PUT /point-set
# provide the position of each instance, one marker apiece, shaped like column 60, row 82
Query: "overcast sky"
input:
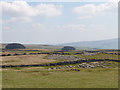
column 58, row 22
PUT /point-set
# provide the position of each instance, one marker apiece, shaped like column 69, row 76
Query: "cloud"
column 19, row 15
column 92, row 9
column 18, row 19
column 23, row 9
column 57, row 28
column 48, row 10
column 6, row 28
column 39, row 27
column 0, row 21
column 74, row 27
column 84, row 17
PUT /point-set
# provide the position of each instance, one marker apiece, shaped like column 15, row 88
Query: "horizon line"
column 56, row 43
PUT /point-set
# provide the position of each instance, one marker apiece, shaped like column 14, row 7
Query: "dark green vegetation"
column 45, row 47
column 15, row 46
column 67, row 48
column 36, row 46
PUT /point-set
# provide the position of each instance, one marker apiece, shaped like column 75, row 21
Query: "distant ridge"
column 100, row 44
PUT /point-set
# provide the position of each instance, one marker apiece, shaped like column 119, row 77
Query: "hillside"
column 101, row 44
column 36, row 46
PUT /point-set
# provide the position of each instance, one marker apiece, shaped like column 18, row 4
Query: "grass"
column 39, row 77
column 100, row 56
column 25, row 60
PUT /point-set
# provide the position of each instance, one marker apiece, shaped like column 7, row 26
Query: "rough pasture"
column 40, row 77
column 60, row 71
column 25, row 60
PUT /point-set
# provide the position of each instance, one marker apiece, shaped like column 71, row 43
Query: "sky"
column 58, row 22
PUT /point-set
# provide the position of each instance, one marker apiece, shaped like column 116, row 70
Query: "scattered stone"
column 83, row 65
column 64, row 57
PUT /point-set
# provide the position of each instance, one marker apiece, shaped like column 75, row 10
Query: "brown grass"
column 25, row 60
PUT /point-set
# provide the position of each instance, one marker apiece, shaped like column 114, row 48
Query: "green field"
column 43, row 77
column 39, row 77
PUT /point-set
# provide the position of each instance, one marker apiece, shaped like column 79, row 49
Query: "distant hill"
column 36, row 46
column 100, row 44
column 41, row 46
column 87, row 45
